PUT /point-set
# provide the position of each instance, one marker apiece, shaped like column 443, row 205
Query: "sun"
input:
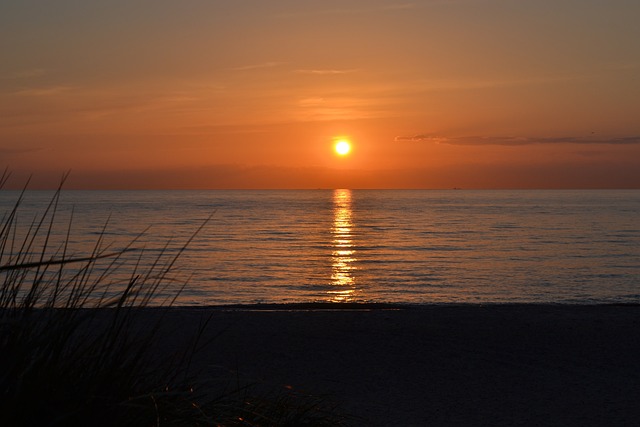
column 342, row 147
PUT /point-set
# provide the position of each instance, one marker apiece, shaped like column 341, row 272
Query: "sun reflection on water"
column 343, row 250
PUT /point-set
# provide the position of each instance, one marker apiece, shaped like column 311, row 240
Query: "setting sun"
column 343, row 147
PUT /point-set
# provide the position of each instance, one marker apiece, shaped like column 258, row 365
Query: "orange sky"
column 252, row 94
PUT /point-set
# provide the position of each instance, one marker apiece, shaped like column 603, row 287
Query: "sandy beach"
column 451, row 365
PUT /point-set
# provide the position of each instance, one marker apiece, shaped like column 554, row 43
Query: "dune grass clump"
column 77, row 348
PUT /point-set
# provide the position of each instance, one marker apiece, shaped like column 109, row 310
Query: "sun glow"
column 342, row 147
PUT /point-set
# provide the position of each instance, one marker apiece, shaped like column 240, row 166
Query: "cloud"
column 325, row 72
column 419, row 138
column 518, row 140
column 19, row 150
column 24, row 74
column 45, row 91
column 311, row 102
column 399, row 6
column 270, row 64
column 336, row 108
column 353, row 11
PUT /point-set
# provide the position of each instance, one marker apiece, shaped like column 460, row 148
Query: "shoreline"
column 438, row 365
column 380, row 306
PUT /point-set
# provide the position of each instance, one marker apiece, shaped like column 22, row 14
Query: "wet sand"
column 494, row 365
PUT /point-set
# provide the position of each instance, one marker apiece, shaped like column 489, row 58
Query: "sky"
column 206, row 94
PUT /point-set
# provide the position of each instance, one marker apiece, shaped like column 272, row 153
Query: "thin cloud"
column 311, row 102
column 399, row 6
column 325, row 72
column 19, row 150
column 257, row 66
column 420, row 138
column 25, row 74
column 44, row 91
column 336, row 108
column 355, row 11
column 518, row 140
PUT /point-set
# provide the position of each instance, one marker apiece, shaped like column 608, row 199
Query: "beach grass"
column 79, row 347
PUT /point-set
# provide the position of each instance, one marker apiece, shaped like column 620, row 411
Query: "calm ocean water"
column 405, row 246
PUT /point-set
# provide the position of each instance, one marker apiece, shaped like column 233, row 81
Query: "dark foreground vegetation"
column 77, row 346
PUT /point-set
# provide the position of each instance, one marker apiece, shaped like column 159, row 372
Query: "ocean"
column 391, row 246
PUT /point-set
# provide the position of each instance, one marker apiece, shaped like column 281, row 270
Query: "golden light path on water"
column 343, row 250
